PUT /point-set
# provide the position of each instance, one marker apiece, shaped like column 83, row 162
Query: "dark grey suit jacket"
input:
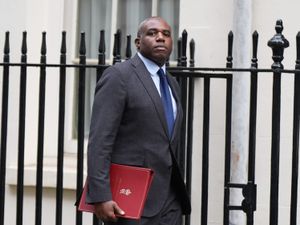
column 128, row 126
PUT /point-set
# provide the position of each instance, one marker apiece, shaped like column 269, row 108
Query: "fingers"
column 108, row 211
column 118, row 210
column 105, row 211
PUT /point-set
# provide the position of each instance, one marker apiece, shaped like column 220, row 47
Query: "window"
column 96, row 15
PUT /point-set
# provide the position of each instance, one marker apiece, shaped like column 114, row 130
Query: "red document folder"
column 129, row 187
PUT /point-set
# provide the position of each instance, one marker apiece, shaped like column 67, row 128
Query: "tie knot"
column 160, row 72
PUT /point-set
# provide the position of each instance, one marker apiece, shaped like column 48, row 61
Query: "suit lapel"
column 145, row 78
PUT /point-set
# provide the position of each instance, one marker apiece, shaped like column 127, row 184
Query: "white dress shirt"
column 153, row 68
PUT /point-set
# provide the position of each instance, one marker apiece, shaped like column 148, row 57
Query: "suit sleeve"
column 108, row 107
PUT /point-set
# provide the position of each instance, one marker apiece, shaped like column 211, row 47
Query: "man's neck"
column 157, row 63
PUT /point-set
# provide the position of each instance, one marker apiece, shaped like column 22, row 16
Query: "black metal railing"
column 186, row 76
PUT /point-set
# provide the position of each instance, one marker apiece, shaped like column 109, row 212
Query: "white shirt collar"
column 151, row 66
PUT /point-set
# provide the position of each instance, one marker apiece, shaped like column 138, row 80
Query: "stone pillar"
column 242, row 19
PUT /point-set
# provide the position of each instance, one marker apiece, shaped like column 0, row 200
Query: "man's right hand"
column 108, row 211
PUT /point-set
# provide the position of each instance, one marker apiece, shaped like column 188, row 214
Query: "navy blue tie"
column 166, row 100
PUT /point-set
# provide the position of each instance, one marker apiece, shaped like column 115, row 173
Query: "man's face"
column 155, row 41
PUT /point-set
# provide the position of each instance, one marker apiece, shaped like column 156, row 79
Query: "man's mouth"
column 160, row 48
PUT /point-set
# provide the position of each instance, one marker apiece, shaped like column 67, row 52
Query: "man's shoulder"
column 118, row 68
column 129, row 63
column 126, row 67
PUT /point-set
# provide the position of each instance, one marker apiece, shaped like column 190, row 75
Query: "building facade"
column 208, row 23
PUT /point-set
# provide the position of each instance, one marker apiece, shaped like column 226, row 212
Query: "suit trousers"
column 171, row 214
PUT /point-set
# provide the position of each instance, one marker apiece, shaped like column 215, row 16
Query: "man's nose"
column 160, row 36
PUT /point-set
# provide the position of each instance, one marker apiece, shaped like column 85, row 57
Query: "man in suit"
column 129, row 126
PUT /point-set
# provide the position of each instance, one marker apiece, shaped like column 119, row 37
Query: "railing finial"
column 192, row 53
column 229, row 50
column 117, row 47
column 63, row 46
column 183, row 49
column 82, row 48
column 179, row 51
column 298, row 50
column 254, row 49
column 101, row 49
column 24, row 43
column 44, row 45
column 6, row 43
column 128, row 47
column 278, row 43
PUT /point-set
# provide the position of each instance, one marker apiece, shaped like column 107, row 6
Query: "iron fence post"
column 278, row 43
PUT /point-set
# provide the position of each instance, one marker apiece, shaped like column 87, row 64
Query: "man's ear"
column 137, row 43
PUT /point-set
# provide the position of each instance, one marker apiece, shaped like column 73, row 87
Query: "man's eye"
column 152, row 33
column 166, row 33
